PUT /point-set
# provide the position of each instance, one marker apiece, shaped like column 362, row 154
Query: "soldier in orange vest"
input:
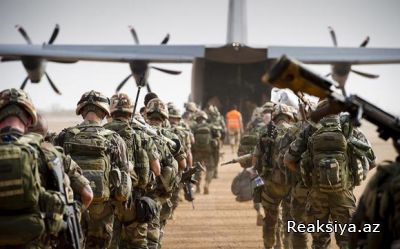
column 234, row 126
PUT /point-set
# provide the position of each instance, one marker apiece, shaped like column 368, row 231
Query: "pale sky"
column 284, row 22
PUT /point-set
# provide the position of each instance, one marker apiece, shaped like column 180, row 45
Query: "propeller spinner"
column 140, row 68
column 341, row 70
column 34, row 66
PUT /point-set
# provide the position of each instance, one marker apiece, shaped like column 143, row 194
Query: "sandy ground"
column 218, row 221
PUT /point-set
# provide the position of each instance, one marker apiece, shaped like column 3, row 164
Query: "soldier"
column 79, row 183
column 143, row 156
column 377, row 218
column 206, row 140
column 270, row 163
column 330, row 169
column 186, row 137
column 172, row 157
column 217, row 121
column 25, row 193
column 102, row 155
column 189, row 115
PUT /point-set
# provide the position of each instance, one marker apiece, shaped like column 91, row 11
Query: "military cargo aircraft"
column 221, row 75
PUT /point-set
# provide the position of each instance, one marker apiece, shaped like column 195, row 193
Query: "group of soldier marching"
column 124, row 177
column 116, row 185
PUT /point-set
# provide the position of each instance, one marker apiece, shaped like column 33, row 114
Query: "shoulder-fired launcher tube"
column 289, row 73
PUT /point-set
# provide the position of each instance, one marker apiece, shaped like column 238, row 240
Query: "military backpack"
column 325, row 163
column 202, row 139
column 90, row 149
column 20, row 190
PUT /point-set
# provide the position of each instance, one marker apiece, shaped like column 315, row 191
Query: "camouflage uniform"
column 169, row 178
column 36, row 231
column 189, row 115
column 98, row 221
column 205, row 156
column 217, row 121
column 186, row 138
column 141, row 150
column 379, row 204
column 337, row 205
column 276, row 184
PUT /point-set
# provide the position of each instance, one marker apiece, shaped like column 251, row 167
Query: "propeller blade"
column 365, row 42
column 333, row 36
column 54, row 34
column 22, row 31
column 168, row 71
column 7, row 59
column 366, row 75
column 134, row 35
column 122, row 83
column 148, row 87
column 63, row 61
column 52, row 84
column 24, row 83
column 165, row 40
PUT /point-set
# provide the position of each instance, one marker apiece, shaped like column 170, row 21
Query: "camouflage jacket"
column 118, row 156
column 379, row 204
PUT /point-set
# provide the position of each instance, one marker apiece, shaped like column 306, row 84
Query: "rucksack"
column 20, row 218
column 136, row 153
column 202, row 139
column 328, row 156
column 241, row 186
column 90, row 149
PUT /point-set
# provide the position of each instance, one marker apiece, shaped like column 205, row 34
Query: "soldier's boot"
column 299, row 240
column 260, row 219
column 198, row 188
column 117, row 229
column 206, row 190
column 269, row 231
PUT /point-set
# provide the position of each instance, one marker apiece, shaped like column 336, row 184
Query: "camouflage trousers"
column 98, row 225
column 134, row 236
column 207, row 160
column 337, row 207
column 154, row 226
column 298, row 203
column 127, row 232
column 166, row 212
column 175, row 198
column 273, row 195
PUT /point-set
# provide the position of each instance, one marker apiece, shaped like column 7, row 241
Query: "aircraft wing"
column 106, row 53
column 330, row 55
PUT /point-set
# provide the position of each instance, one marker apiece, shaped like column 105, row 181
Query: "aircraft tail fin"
column 237, row 22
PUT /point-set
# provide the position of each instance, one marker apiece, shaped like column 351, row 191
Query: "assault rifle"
column 289, row 73
column 73, row 232
column 188, row 181
column 240, row 159
column 152, row 132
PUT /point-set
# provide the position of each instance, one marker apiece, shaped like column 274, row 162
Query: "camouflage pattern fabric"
column 379, row 204
column 98, row 221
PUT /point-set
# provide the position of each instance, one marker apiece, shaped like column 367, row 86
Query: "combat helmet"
column 10, row 98
column 191, row 106
column 156, row 109
column 173, row 110
column 283, row 110
column 201, row 115
column 93, row 98
column 121, row 102
column 268, row 107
